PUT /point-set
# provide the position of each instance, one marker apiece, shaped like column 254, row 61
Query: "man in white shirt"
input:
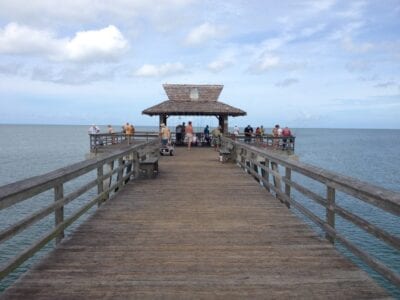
column 93, row 129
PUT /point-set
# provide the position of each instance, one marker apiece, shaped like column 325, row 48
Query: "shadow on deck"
column 202, row 229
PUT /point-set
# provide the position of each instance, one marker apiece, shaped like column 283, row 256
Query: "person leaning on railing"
column 129, row 132
column 286, row 134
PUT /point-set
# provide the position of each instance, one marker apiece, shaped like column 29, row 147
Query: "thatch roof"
column 191, row 99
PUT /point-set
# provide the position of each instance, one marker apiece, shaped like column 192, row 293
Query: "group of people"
column 249, row 133
column 182, row 132
column 127, row 129
column 185, row 133
column 285, row 134
column 279, row 134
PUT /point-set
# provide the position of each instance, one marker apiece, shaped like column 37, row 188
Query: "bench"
column 225, row 153
column 148, row 168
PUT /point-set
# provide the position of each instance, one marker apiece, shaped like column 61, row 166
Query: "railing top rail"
column 120, row 133
column 381, row 197
column 15, row 191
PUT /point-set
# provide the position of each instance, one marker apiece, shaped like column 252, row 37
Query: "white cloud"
column 225, row 60
column 354, row 11
column 265, row 62
column 310, row 31
column 219, row 65
column 87, row 46
column 275, row 43
column 96, row 45
column 160, row 70
column 320, row 5
column 350, row 46
column 203, row 33
column 19, row 39
column 78, row 12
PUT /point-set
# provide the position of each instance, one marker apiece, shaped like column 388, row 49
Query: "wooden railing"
column 269, row 141
column 99, row 140
column 105, row 179
column 265, row 167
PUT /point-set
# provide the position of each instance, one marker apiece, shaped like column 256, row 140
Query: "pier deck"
column 202, row 229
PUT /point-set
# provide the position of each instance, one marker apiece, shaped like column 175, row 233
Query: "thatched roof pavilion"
column 194, row 100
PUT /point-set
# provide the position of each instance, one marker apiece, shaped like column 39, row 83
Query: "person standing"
column 93, row 129
column 94, row 140
column 262, row 131
column 178, row 134
column 165, row 135
column 128, row 132
column 207, row 135
column 189, row 133
column 183, row 132
column 132, row 131
column 111, row 131
column 248, row 132
column 216, row 135
column 236, row 132
column 276, row 134
column 286, row 134
column 258, row 134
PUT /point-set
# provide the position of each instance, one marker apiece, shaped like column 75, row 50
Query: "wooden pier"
column 202, row 229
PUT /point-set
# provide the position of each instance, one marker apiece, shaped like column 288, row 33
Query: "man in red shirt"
column 286, row 133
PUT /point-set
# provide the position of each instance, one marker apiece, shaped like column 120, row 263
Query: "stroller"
column 167, row 149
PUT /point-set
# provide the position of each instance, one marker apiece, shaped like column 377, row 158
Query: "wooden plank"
column 202, row 229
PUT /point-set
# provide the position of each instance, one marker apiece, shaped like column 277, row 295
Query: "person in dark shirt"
column 248, row 133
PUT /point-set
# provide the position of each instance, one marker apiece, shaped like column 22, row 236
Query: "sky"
column 298, row 63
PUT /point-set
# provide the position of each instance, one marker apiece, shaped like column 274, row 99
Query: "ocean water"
column 369, row 155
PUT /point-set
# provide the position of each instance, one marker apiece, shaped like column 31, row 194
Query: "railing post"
column 266, row 173
column 120, row 172
column 330, row 212
column 59, row 212
column 135, row 162
column 288, row 176
column 100, row 186
column 277, row 180
column 108, row 182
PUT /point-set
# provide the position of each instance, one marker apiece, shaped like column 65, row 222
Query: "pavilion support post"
column 163, row 119
column 223, row 122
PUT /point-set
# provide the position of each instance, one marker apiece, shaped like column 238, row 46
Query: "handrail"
column 255, row 161
column 127, row 165
column 98, row 140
